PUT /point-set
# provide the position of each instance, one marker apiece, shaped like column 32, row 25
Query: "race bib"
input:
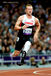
column 27, row 31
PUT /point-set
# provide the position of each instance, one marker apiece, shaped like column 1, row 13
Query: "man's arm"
column 37, row 30
column 17, row 27
column 38, row 25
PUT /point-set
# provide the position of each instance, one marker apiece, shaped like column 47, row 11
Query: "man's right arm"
column 17, row 27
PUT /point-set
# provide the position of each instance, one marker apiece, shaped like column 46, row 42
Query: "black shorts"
column 20, row 42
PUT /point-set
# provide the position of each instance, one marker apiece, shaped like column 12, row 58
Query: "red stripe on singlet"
column 29, row 23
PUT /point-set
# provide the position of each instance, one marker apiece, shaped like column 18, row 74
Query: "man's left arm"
column 37, row 23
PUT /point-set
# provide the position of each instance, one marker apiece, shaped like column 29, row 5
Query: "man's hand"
column 35, row 37
column 25, row 26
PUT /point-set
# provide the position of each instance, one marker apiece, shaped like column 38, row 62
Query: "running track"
column 27, row 72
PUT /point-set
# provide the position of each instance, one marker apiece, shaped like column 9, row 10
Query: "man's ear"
column 25, row 10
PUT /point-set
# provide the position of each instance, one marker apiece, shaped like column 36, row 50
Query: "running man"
column 25, row 25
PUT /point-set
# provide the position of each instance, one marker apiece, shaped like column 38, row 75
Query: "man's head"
column 29, row 9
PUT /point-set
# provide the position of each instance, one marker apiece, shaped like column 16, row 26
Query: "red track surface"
column 27, row 72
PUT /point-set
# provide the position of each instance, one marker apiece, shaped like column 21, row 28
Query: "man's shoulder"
column 21, row 17
column 36, row 19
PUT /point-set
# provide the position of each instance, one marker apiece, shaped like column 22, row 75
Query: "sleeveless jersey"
column 29, row 30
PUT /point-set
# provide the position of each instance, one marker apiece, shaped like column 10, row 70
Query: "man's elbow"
column 15, row 28
column 39, row 27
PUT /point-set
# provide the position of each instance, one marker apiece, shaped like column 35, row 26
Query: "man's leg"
column 18, row 47
column 25, row 50
column 19, row 44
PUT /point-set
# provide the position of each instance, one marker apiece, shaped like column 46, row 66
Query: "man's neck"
column 29, row 16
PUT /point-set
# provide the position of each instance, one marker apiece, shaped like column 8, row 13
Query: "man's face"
column 29, row 10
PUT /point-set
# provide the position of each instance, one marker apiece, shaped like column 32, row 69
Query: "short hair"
column 29, row 5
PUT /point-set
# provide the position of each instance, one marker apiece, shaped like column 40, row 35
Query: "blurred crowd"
column 8, row 17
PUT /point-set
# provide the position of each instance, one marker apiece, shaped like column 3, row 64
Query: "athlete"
column 25, row 24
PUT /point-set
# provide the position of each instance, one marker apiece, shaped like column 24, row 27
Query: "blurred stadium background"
column 9, row 12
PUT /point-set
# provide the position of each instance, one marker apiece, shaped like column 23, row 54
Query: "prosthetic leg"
column 23, row 57
column 25, row 50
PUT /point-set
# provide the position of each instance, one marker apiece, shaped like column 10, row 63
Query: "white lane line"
column 37, row 72
column 3, row 71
